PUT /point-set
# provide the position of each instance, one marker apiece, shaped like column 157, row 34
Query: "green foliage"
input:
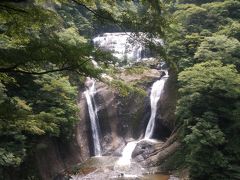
column 205, row 31
column 46, row 50
column 231, row 30
column 18, row 25
column 8, row 158
column 197, row 1
column 126, row 89
column 204, row 44
column 209, row 99
column 57, row 92
column 203, row 142
column 43, row 106
column 219, row 47
column 136, row 70
column 74, row 15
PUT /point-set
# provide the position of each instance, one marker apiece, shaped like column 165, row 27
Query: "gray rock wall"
column 121, row 118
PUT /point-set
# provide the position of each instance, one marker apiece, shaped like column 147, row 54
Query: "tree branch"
column 13, row 69
column 94, row 12
column 117, row 23
column 7, row 70
column 6, row 7
column 84, row 62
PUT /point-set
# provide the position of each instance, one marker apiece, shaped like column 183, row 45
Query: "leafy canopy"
column 45, row 53
column 208, row 108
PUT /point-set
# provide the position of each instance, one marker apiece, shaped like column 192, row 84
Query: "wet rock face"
column 53, row 156
column 83, row 129
column 120, row 119
column 126, row 117
column 142, row 150
column 167, row 105
column 130, row 111
column 151, row 154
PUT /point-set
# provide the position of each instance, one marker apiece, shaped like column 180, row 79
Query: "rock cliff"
column 121, row 118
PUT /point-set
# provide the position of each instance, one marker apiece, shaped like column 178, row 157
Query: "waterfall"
column 126, row 45
column 92, row 109
column 156, row 92
column 119, row 45
column 126, row 157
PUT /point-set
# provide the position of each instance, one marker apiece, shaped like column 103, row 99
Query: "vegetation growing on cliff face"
column 136, row 70
column 205, row 48
column 125, row 89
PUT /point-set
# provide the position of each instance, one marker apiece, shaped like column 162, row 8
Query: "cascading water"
column 123, row 167
column 92, row 109
column 156, row 92
column 119, row 45
column 126, row 157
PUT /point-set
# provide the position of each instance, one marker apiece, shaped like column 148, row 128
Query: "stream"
column 103, row 168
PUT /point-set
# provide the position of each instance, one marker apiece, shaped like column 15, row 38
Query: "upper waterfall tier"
column 123, row 45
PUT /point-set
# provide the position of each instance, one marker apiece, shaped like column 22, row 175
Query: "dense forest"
column 46, row 52
column 205, row 47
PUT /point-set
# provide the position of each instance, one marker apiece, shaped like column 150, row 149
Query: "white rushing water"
column 126, row 157
column 92, row 109
column 156, row 92
column 120, row 46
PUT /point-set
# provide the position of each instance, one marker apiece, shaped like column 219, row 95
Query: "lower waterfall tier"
column 121, row 119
